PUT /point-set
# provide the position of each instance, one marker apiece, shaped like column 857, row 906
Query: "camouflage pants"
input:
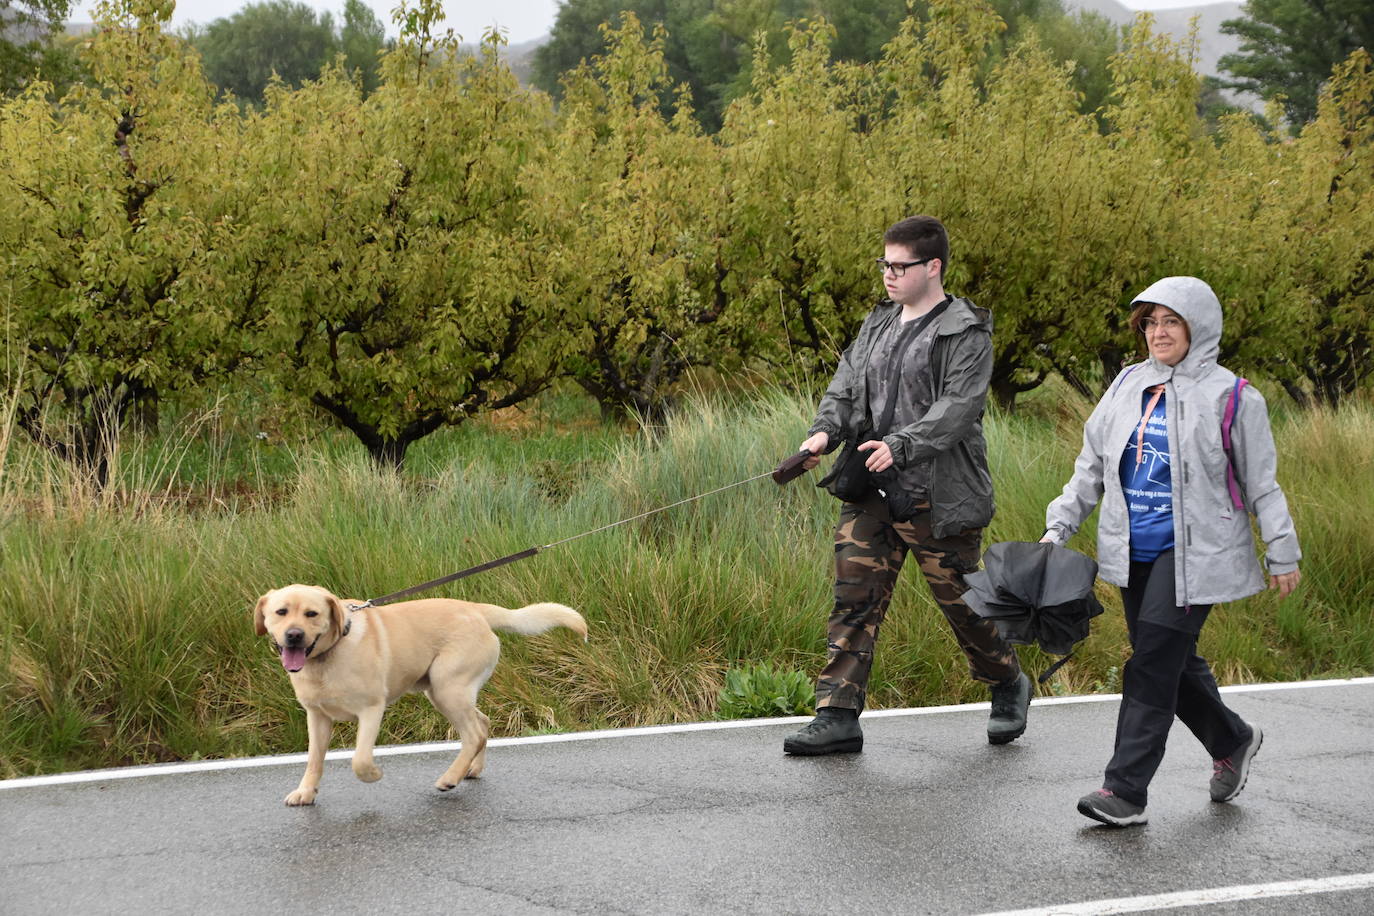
column 869, row 553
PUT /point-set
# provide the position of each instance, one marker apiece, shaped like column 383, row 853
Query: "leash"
column 790, row 469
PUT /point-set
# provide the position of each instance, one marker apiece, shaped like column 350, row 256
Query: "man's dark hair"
column 924, row 237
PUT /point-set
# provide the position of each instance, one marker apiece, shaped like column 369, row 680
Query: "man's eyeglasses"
column 1168, row 323
column 898, row 268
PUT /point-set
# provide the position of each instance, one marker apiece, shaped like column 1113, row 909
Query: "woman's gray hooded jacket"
column 950, row 435
column 1214, row 549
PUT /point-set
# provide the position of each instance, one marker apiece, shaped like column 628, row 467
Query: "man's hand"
column 816, row 445
column 1285, row 583
column 881, row 457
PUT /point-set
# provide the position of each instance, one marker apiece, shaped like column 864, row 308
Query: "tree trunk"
column 388, row 454
column 1004, row 393
column 1078, row 383
column 1111, row 359
column 88, row 441
column 1297, row 393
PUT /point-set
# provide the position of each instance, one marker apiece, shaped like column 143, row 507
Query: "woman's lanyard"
column 1158, row 391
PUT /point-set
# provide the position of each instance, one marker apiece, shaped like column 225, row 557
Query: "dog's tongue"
column 292, row 659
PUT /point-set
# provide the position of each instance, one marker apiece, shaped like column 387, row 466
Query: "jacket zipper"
column 1181, row 555
column 863, row 375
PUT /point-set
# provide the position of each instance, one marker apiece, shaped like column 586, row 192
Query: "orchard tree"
column 1013, row 169
column 1232, row 227
column 1037, row 240
column 1333, row 236
column 1149, row 178
column 1054, row 224
column 405, row 290
column 108, row 199
column 629, row 202
column 807, row 203
column 1281, row 229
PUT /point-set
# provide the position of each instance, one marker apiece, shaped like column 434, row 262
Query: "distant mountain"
column 1212, row 44
column 520, row 57
column 20, row 33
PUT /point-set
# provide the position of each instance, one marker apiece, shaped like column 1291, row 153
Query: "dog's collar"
column 348, row 625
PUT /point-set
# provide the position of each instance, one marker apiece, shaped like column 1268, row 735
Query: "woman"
column 1174, row 534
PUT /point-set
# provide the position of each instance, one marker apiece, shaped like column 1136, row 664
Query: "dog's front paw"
column 443, row 783
column 302, row 797
column 367, row 772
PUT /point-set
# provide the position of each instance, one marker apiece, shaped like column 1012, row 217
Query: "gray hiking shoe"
column 1228, row 773
column 833, row 731
column 1010, row 703
column 1110, row 809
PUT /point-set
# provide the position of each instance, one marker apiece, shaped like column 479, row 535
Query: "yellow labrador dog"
column 350, row 665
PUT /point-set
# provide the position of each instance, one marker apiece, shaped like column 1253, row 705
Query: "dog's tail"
column 533, row 619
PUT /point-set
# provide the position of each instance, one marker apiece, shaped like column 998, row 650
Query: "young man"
column 921, row 361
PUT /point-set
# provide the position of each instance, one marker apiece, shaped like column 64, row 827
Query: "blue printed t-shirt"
column 1148, row 488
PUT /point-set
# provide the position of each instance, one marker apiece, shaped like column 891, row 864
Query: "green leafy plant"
column 758, row 691
column 1111, row 683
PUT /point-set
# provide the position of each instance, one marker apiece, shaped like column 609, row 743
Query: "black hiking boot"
column 1010, row 703
column 833, row 731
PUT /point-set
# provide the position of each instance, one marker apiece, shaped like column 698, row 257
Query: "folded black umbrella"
column 1036, row 594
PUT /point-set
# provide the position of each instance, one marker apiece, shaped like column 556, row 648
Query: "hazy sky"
column 521, row 19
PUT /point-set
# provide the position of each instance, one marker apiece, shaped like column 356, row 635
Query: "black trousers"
column 1164, row 678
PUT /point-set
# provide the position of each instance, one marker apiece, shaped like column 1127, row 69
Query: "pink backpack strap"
column 1232, row 403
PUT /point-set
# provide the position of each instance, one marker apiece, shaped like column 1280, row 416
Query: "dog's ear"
column 260, row 616
column 337, row 615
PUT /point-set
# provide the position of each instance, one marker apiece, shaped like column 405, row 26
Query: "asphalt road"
column 929, row 819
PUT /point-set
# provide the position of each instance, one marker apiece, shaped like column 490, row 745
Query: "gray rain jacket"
column 1214, row 549
column 950, row 436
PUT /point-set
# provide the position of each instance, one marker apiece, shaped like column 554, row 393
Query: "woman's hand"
column 1285, row 583
column 816, row 445
column 881, row 457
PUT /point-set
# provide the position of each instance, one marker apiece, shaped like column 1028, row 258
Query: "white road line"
column 1207, row 897
column 203, row 766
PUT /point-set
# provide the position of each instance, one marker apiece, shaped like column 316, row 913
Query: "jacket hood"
column 1195, row 302
column 961, row 314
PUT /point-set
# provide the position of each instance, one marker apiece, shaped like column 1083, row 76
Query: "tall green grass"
column 126, row 631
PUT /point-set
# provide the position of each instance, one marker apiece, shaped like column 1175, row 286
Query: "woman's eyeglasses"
column 1168, row 323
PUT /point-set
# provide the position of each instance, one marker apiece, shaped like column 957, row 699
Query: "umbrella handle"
column 1053, row 668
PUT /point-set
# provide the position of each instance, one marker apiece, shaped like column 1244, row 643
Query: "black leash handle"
column 791, row 468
